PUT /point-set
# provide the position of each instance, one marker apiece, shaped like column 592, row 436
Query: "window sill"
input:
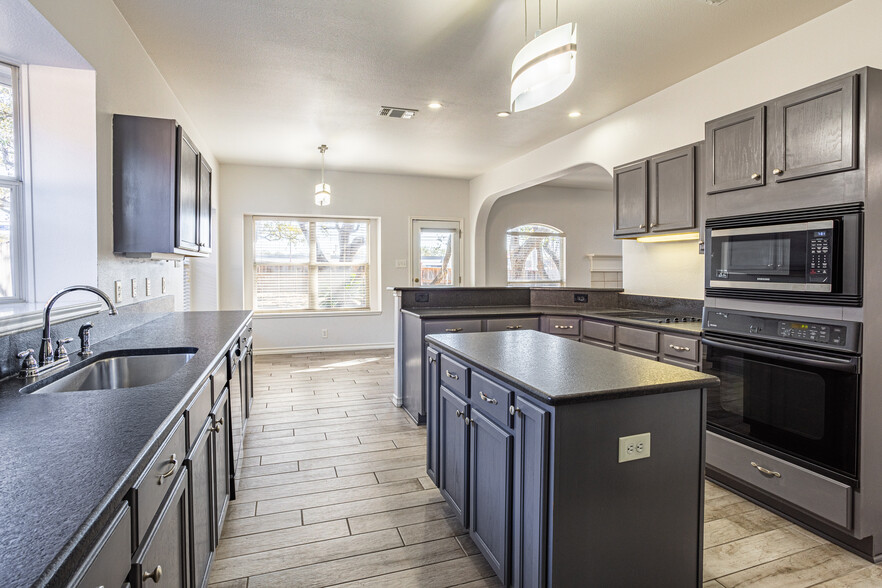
column 314, row 313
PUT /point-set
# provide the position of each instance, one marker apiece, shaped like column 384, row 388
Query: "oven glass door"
column 802, row 405
column 753, row 257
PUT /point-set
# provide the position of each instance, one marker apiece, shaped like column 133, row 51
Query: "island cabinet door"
column 220, row 418
column 200, row 466
column 530, row 495
column 454, row 452
column 490, row 492
column 432, row 384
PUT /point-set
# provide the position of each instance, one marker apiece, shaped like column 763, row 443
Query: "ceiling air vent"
column 395, row 112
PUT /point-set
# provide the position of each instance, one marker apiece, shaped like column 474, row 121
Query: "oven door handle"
column 851, row 365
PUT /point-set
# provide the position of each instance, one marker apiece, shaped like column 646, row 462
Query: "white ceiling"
column 267, row 81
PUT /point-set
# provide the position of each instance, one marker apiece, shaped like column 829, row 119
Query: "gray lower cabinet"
column 200, row 466
column 453, row 443
column 530, row 494
column 567, row 326
column 221, row 445
column 490, row 456
column 163, row 557
column 525, row 323
column 109, row 562
column 432, row 414
column 154, row 484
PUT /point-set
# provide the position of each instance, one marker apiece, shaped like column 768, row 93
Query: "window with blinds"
column 535, row 255
column 311, row 264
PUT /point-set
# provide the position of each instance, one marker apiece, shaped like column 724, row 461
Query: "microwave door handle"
column 830, row 363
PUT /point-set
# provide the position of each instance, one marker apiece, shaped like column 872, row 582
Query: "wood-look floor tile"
column 238, row 510
column 467, row 545
column 307, row 487
column 729, row 558
column 868, row 577
column 400, row 517
column 490, row 582
column 261, row 524
column 372, row 505
column 361, row 566
column 404, row 426
column 712, row 584
column 799, row 570
column 280, row 538
column 726, row 506
column 341, row 499
column 427, row 482
column 453, row 572
column 412, row 472
column 269, row 469
column 273, row 446
column 285, row 478
column 355, row 458
column 739, row 526
column 266, row 562
column 431, row 530
column 312, row 454
column 239, row 583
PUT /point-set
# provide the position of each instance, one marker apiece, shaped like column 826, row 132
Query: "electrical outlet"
column 401, row 263
column 634, row 447
column 117, row 291
column 163, row 285
column 580, row 298
column 324, row 333
column 147, row 287
column 134, row 288
column 421, row 297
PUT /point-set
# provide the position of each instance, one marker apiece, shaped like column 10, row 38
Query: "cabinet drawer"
column 154, row 483
column 491, row 399
column 823, row 497
column 680, row 347
column 561, row 325
column 454, row 375
column 637, row 338
column 460, row 326
column 598, row 331
column 109, row 563
column 219, row 377
column 197, row 411
column 596, row 343
column 164, row 556
column 642, row 354
column 683, row 364
column 530, row 323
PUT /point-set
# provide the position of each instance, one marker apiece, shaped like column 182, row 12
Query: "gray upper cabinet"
column 814, row 131
column 631, row 189
column 736, row 151
column 160, row 183
column 672, row 190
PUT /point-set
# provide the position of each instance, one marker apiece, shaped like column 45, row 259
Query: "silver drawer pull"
column 679, row 348
column 486, row 398
column 217, row 425
column 512, row 410
column 459, row 414
column 456, row 330
column 512, row 327
column 563, row 326
column 765, row 471
column 452, row 376
column 155, row 575
column 171, row 470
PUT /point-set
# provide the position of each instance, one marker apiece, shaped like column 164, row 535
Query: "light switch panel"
column 163, row 285
column 634, row 447
column 147, row 287
column 134, row 288
column 117, row 291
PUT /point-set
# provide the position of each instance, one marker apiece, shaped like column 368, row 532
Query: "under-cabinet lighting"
column 669, row 238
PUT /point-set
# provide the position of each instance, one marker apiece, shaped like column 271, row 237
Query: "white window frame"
column 552, row 232
column 373, row 262
column 17, row 213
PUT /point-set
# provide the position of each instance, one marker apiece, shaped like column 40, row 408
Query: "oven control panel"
column 831, row 334
column 820, row 256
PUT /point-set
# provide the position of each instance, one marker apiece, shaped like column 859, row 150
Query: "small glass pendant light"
column 323, row 190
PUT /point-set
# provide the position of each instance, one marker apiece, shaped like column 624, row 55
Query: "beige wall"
column 127, row 82
column 584, row 215
column 249, row 190
column 842, row 40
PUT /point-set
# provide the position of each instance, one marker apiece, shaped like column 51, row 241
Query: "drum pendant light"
column 322, row 191
column 545, row 67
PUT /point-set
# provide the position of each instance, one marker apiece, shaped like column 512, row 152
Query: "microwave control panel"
column 820, row 256
column 831, row 334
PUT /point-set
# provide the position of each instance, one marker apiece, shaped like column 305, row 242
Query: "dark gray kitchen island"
column 570, row 465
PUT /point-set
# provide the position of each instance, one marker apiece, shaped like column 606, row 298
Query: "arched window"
column 535, row 255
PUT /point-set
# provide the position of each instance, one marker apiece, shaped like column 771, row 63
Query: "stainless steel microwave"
column 811, row 256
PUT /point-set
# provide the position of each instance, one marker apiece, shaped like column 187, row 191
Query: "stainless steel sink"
column 119, row 369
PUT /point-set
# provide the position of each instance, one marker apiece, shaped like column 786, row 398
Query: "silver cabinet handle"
column 755, row 176
column 513, row 327
column 171, row 470
column 217, row 425
column 642, row 226
column 456, row 330
column 487, row 399
column 452, row 376
column 155, row 575
column 431, row 360
column 777, row 171
column 765, row 471
column 563, row 326
column 467, row 421
column 512, row 410
column 459, row 414
column 679, row 348
column 653, row 225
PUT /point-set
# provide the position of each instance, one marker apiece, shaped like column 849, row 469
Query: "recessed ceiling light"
column 575, row 114
column 434, row 105
column 503, row 114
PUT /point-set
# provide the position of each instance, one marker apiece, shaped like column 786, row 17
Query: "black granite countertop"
column 69, row 457
column 559, row 371
column 599, row 314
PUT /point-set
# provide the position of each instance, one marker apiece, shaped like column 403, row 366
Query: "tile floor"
column 334, row 493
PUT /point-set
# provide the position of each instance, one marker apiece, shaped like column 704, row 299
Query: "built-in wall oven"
column 807, row 256
column 790, row 386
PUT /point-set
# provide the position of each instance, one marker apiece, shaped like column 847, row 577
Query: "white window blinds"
column 310, row 264
column 535, row 255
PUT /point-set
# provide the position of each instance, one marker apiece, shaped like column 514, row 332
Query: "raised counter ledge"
column 559, row 371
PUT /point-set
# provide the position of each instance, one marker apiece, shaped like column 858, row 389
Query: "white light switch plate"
column 134, row 288
column 147, row 287
column 401, row 263
column 163, row 285
column 634, row 447
column 117, row 291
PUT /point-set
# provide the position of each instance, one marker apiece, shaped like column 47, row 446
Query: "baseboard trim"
column 320, row 349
